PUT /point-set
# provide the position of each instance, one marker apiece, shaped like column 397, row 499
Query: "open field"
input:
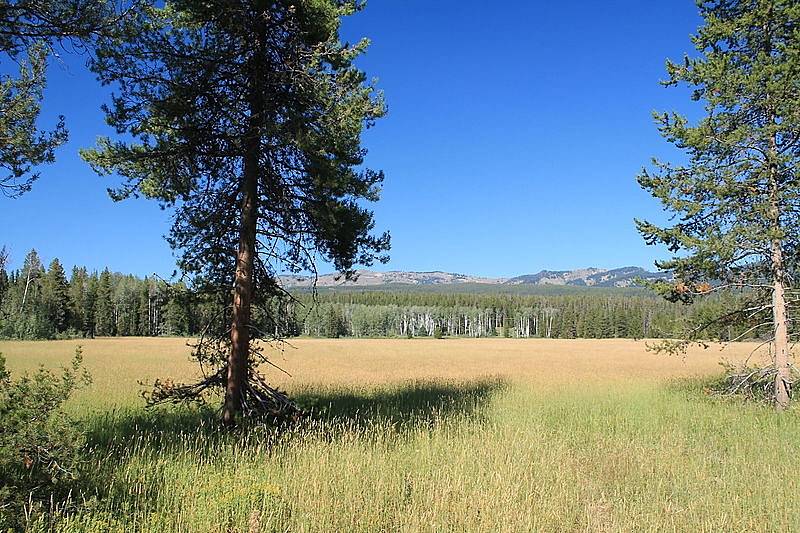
column 426, row 435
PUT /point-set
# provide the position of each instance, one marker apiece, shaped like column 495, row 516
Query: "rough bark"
column 780, row 322
column 782, row 356
column 779, row 318
column 243, row 286
column 242, row 298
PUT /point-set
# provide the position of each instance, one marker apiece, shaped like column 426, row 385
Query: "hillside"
column 585, row 277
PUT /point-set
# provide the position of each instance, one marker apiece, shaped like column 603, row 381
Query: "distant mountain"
column 584, row 277
column 557, row 277
column 368, row 278
column 589, row 277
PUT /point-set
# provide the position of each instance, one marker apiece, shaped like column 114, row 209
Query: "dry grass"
column 117, row 364
column 453, row 435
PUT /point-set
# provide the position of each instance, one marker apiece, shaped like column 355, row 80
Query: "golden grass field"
column 117, row 364
column 437, row 435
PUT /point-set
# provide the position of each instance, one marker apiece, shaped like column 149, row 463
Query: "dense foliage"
column 582, row 314
column 38, row 303
column 40, row 446
column 41, row 303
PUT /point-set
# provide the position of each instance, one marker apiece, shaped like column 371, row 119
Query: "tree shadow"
column 157, row 427
column 149, row 438
column 402, row 406
column 413, row 404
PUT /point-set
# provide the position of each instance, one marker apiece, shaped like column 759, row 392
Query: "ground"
column 434, row 435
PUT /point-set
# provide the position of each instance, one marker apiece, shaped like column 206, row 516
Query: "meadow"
column 436, row 435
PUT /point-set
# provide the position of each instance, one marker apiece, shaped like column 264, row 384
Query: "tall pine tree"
column 55, row 298
column 247, row 117
column 104, row 323
column 77, row 297
column 4, row 281
column 737, row 197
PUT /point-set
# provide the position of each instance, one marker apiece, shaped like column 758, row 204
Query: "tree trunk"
column 242, row 298
column 238, row 361
column 779, row 318
column 782, row 376
column 780, row 325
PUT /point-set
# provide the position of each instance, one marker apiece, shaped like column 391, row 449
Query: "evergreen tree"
column 4, row 281
column 55, row 297
column 90, row 308
column 144, row 306
column 32, row 271
column 29, row 32
column 77, row 297
column 177, row 312
column 334, row 323
column 104, row 322
column 23, row 304
column 250, row 113
column 25, row 147
column 737, row 198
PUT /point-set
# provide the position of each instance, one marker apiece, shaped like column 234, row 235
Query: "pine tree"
column 177, row 312
column 105, row 324
column 144, row 306
column 30, row 31
column 737, row 198
column 32, row 271
column 77, row 297
column 55, row 297
column 250, row 113
column 90, row 306
column 4, row 281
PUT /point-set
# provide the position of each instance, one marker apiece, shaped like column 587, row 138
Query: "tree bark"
column 782, row 375
column 242, row 297
column 780, row 322
column 779, row 319
column 243, row 285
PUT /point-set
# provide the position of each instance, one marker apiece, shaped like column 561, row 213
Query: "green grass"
column 480, row 454
column 471, row 456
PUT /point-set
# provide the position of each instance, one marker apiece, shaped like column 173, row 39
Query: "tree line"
column 38, row 302
column 586, row 314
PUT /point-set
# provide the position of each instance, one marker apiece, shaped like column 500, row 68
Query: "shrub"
column 40, row 446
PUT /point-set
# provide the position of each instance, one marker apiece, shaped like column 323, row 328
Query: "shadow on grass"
column 124, row 425
column 410, row 404
column 333, row 410
column 136, row 452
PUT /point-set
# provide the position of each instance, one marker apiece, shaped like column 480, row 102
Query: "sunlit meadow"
column 427, row 435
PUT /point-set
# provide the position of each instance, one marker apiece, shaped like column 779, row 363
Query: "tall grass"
column 512, row 452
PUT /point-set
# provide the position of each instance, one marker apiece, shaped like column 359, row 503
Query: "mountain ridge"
column 582, row 277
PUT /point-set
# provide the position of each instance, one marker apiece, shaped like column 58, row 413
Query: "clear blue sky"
column 514, row 135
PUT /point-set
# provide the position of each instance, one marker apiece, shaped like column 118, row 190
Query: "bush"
column 40, row 446
column 438, row 333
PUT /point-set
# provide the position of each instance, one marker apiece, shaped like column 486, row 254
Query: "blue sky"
column 514, row 135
